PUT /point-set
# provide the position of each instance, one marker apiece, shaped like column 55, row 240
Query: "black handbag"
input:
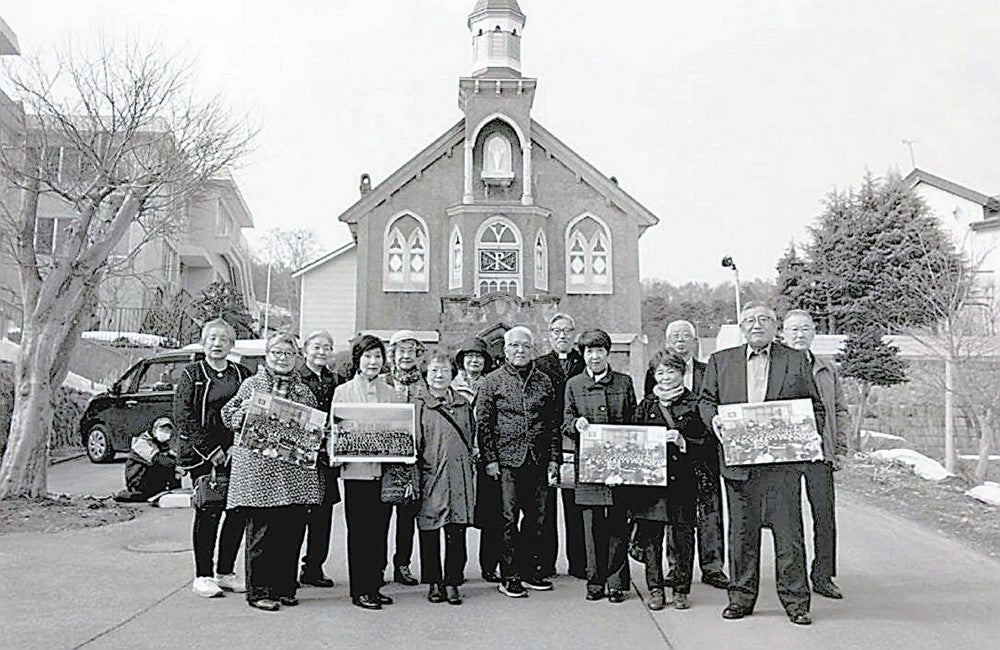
column 400, row 483
column 210, row 491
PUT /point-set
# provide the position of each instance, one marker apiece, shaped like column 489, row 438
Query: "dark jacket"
column 517, row 419
column 200, row 430
column 697, row 375
column 677, row 500
column 321, row 385
column 789, row 377
column 551, row 366
column 608, row 401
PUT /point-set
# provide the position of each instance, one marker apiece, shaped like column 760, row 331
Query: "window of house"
column 541, row 262
column 222, row 221
column 50, row 233
column 455, row 259
column 171, row 264
column 588, row 256
column 406, row 254
column 498, row 258
column 498, row 167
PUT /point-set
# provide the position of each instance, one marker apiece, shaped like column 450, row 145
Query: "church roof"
column 483, row 5
column 454, row 137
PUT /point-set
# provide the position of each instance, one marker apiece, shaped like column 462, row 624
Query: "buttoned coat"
column 517, row 418
column 445, row 442
column 551, row 366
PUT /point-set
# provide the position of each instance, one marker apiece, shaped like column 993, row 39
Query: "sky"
column 728, row 120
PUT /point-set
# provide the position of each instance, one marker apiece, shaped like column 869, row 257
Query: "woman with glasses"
column 274, row 494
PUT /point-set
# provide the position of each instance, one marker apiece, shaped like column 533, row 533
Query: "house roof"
column 920, row 176
column 539, row 135
column 323, row 260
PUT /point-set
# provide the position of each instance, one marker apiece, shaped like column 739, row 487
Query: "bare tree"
column 112, row 139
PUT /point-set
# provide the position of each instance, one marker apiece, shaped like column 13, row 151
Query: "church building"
column 496, row 223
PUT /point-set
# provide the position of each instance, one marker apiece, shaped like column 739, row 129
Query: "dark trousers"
column 573, row 524
column 606, row 538
column 709, row 535
column 406, row 522
column 819, row 491
column 274, row 537
column 319, row 524
column 367, row 533
column 650, row 534
column 204, row 534
column 454, row 555
column 522, row 490
column 489, row 521
column 775, row 489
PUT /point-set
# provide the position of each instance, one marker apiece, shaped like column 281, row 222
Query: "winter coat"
column 445, row 460
column 322, row 387
column 464, row 387
column 517, row 419
column 551, row 365
column 608, row 401
column 357, row 390
column 257, row 481
column 200, row 395
column 838, row 418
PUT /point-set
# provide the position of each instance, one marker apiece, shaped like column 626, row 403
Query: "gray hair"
column 281, row 337
column 508, row 336
column 757, row 304
column 674, row 324
column 799, row 312
column 317, row 334
column 217, row 323
column 561, row 316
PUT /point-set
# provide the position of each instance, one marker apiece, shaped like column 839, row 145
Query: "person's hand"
column 581, row 424
column 614, row 480
column 717, row 426
column 553, row 472
column 218, row 457
column 838, row 462
column 493, row 470
column 673, row 435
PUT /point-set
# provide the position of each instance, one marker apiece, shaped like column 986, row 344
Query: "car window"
column 160, row 376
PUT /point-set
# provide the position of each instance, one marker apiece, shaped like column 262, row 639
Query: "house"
column 496, row 222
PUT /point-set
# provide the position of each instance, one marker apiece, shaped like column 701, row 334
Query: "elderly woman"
column 274, row 494
column 675, row 407
column 445, row 452
column 317, row 348
column 366, row 515
column 203, row 444
column 472, row 362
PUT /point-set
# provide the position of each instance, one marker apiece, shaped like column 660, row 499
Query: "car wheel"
column 99, row 449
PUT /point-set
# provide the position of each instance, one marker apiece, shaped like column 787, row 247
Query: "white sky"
column 729, row 120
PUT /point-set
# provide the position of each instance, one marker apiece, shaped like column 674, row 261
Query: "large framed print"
column 373, row 433
column 280, row 428
column 782, row 431
column 626, row 454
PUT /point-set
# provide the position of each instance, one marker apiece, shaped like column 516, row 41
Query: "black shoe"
column 716, row 579
column 491, row 576
column 451, row 593
column 315, row 580
column 538, row 584
column 367, row 601
column 800, row 618
column 512, row 589
column 733, row 612
column 265, row 604
column 657, row 600
column 681, row 601
column 289, row 601
column 382, row 598
column 403, row 576
column 595, row 594
column 436, row 594
column 616, row 596
column 827, row 588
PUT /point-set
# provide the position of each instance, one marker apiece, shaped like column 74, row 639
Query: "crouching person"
column 151, row 467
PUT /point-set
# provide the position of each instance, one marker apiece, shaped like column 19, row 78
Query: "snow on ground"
column 8, row 352
column 988, row 492
column 924, row 467
column 135, row 338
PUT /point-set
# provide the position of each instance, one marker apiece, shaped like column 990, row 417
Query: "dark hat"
column 476, row 345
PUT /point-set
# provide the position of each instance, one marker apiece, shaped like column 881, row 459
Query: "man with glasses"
column 517, row 419
column 762, row 370
column 561, row 364
column 799, row 332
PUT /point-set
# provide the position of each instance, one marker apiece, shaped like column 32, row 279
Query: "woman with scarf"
column 445, row 458
column 366, row 515
column 472, row 362
column 275, row 495
column 673, row 406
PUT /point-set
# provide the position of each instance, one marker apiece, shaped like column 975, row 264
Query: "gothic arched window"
column 541, row 262
column 498, row 161
column 588, row 256
column 406, row 254
column 498, row 257
column 455, row 259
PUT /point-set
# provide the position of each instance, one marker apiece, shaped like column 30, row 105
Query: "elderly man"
column 561, row 364
column 799, row 332
column 517, row 419
column 762, row 370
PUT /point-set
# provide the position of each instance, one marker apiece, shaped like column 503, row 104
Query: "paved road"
column 127, row 585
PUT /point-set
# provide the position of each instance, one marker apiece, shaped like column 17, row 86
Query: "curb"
column 56, row 461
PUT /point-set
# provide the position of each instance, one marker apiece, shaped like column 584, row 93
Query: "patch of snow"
column 976, row 457
column 135, row 338
column 924, row 467
column 883, row 436
column 988, row 492
column 9, row 350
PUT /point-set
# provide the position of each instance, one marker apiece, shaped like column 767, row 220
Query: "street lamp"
column 728, row 263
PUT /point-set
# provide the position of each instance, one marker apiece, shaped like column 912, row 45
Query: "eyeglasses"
column 682, row 336
column 562, row 330
column 282, row 354
column 763, row 319
column 800, row 330
column 521, row 346
column 409, row 348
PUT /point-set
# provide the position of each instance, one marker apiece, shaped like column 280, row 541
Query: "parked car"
column 144, row 393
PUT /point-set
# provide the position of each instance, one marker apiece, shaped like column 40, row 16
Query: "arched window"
column 498, row 165
column 498, row 257
column 406, row 254
column 541, row 262
column 588, row 256
column 455, row 259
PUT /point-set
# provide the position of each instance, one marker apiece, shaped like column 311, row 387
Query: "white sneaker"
column 206, row 587
column 231, row 582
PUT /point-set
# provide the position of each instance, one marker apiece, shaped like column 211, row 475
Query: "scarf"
column 667, row 397
column 406, row 377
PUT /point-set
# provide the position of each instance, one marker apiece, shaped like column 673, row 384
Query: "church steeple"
column 496, row 27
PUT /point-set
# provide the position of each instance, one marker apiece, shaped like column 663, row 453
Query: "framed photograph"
column 279, row 428
column 373, row 433
column 635, row 454
column 770, row 432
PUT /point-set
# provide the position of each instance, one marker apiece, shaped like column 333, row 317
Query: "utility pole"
column 909, row 144
column 728, row 263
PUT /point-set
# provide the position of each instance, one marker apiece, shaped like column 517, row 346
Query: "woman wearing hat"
column 472, row 362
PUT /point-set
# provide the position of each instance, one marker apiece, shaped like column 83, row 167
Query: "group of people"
column 490, row 443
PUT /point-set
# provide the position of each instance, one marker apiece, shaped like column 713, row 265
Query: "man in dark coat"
column 517, row 421
column 561, row 364
column 762, row 370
